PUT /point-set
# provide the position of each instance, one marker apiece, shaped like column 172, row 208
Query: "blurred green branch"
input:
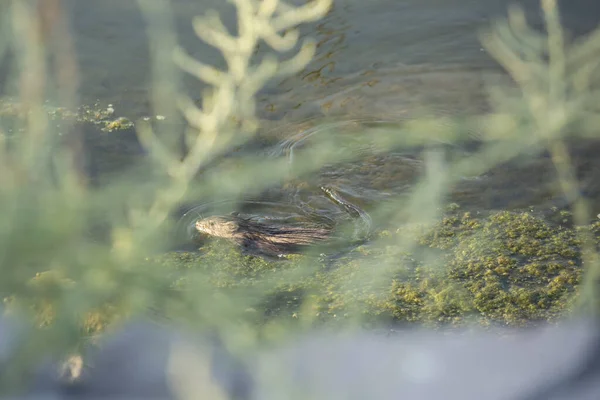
column 557, row 87
column 58, row 272
column 232, row 92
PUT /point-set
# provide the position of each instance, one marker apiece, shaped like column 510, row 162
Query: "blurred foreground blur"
column 450, row 239
column 145, row 360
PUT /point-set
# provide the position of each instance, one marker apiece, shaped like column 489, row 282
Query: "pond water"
column 386, row 60
column 358, row 41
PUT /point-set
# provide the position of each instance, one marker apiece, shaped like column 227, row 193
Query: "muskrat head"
column 217, row 226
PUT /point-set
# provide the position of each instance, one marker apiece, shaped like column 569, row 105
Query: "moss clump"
column 516, row 266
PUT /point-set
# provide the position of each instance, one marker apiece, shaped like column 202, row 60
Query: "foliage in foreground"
column 502, row 268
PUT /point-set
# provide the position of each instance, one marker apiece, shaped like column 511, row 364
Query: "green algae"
column 507, row 268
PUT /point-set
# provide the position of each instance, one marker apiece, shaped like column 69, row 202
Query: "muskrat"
column 270, row 239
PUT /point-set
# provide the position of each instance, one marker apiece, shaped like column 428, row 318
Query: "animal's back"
column 273, row 239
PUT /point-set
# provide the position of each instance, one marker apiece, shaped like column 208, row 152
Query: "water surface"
column 358, row 39
column 387, row 60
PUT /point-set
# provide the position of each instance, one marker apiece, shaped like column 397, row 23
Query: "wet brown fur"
column 266, row 238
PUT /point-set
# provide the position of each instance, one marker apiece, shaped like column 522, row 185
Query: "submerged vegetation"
column 78, row 258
